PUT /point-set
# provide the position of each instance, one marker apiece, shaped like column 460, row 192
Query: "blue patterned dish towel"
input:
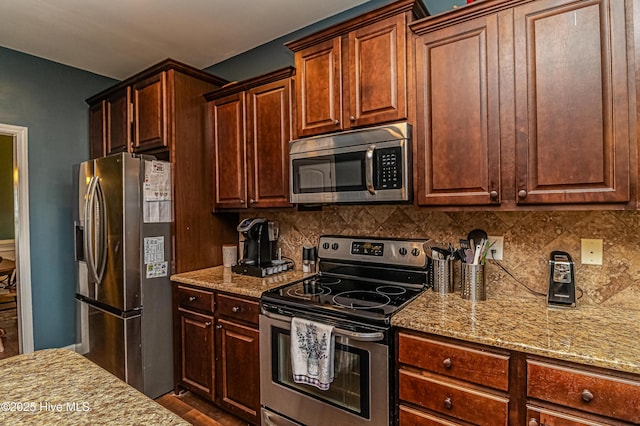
column 312, row 348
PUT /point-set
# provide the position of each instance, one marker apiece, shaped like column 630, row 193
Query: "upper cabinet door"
column 457, row 132
column 229, row 151
column 118, row 116
column 318, row 88
column 150, row 113
column 572, row 102
column 268, row 136
column 377, row 73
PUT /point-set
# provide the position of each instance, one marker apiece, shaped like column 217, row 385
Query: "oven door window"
column 330, row 173
column 350, row 387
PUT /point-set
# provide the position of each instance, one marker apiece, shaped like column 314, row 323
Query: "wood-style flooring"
column 197, row 411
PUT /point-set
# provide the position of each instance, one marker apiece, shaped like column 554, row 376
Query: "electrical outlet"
column 496, row 249
column 591, row 252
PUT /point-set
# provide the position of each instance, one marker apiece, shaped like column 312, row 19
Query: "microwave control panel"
column 389, row 168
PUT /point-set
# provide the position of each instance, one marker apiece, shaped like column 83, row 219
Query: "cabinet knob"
column 447, row 403
column 192, row 298
column 241, row 201
column 522, row 193
column 352, row 118
column 236, row 309
column 447, row 363
column 336, row 122
column 208, row 323
column 218, row 326
column 493, row 195
column 252, row 201
column 587, row 396
column 533, row 422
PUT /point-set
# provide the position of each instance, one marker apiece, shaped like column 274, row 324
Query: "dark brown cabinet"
column 216, row 349
column 354, row 74
column 508, row 116
column 250, row 127
column 440, row 382
column 160, row 111
column 457, row 132
column 237, row 357
column 194, row 340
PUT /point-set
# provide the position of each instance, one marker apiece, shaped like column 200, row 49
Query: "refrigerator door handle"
column 90, row 229
column 101, row 218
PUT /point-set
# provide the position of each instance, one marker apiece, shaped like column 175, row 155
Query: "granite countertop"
column 592, row 335
column 222, row 279
column 59, row 386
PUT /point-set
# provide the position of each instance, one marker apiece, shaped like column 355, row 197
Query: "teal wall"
column 6, row 188
column 48, row 99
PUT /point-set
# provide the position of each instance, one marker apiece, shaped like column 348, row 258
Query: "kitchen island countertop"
column 222, row 279
column 59, row 386
column 592, row 335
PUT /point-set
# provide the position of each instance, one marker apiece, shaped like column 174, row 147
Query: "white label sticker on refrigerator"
column 157, row 181
column 153, row 250
column 157, row 269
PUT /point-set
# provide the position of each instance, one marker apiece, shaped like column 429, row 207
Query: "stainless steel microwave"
column 357, row 166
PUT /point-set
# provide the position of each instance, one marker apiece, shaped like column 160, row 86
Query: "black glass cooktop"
column 344, row 297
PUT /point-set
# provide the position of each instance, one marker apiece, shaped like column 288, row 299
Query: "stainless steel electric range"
column 361, row 283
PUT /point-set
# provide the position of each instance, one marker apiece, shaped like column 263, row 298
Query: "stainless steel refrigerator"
column 123, row 261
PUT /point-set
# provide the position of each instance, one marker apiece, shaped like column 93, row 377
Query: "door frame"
column 22, row 239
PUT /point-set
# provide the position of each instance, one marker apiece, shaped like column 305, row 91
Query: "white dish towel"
column 312, row 348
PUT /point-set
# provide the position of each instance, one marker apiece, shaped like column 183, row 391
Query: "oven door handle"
column 368, row 169
column 374, row 336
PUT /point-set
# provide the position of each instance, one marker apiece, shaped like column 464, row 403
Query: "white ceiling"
column 117, row 38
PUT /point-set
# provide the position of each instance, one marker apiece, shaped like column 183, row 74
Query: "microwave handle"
column 368, row 169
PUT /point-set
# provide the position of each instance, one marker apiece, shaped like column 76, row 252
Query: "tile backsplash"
column 529, row 237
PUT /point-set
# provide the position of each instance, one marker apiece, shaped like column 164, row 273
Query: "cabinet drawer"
column 483, row 368
column 238, row 309
column 453, row 400
column 541, row 417
column 411, row 417
column 195, row 299
column 584, row 390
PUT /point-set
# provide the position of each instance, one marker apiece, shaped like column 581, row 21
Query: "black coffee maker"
column 258, row 255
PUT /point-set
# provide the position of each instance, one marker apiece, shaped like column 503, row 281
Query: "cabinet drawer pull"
column 208, row 323
column 447, row 363
column 218, row 326
column 532, row 422
column 587, row 396
column 522, row 193
column 236, row 309
column 447, row 403
column 192, row 298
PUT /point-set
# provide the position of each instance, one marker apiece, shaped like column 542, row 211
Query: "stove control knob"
column 334, row 246
column 325, row 246
column 415, row 252
column 402, row 251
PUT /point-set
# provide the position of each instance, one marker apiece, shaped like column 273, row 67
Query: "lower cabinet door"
column 238, row 370
column 197, row 350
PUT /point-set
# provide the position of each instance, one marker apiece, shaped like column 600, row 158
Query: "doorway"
column 21, row 234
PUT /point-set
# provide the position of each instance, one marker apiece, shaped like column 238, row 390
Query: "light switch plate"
column 591, row 251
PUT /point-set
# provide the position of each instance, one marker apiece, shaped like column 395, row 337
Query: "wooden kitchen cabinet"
column 507, row 116
column 194, row 341
column 355, row 74
column 578, row 392
column 238, row 357
column 457, row 132
column 250, row 126
column 216, row 349
column 160, row 111
column 441, row 382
